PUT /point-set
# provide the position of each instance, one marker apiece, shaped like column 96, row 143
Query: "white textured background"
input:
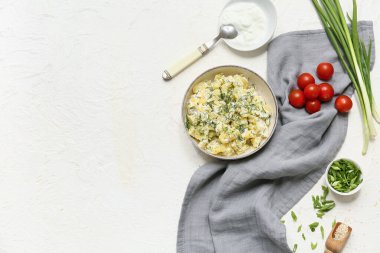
column 93, row 155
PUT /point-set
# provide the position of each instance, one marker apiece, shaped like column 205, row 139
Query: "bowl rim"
column 243, row 155
column 343, row 193
column 251, row 49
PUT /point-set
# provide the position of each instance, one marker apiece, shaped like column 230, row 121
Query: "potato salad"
column 226, row 115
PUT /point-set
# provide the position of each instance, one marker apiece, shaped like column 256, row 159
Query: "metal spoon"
column 225, row 32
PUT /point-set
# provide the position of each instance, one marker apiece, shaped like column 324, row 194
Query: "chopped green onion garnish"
column 294, row 216
column 295, row 248
column 344, row 176
column 313, row 226
column 322, row 232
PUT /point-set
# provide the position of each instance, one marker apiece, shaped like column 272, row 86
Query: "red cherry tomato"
column 311, row 91
column 313, row 106
column 325, row 71
column 297, row 98
column 343, row 103
column 304, row 79
column 326, row 92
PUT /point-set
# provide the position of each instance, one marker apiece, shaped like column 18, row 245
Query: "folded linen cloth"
column 236, row 207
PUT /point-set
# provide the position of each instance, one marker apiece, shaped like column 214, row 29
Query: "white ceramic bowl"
column 269, row 10
column 343, row 193
column 263, row 90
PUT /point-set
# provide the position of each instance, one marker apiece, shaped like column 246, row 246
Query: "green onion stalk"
column 354, row 57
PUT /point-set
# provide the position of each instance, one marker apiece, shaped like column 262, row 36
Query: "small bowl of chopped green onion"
column 344, row 177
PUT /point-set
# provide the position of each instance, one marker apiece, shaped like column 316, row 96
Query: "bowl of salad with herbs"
column 344, row 177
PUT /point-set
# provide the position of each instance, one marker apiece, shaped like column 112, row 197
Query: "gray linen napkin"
column 236, row 207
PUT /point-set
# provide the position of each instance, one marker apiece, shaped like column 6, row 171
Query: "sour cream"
column 249, row 20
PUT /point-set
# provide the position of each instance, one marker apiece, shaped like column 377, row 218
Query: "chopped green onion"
column 346, row 178
column 322, row 232
column 294, row 216
column 295, row 248
column 313, row 226
column 321, row 204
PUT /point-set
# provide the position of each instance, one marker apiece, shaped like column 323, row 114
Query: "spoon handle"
column 185, row 62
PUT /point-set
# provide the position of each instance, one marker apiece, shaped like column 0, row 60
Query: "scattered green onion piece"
column 321, row 204
column 294, row 216
column 322, row 232
column 313, row 226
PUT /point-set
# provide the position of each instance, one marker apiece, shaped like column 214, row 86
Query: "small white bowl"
column 344, row 193
column 269, row 10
